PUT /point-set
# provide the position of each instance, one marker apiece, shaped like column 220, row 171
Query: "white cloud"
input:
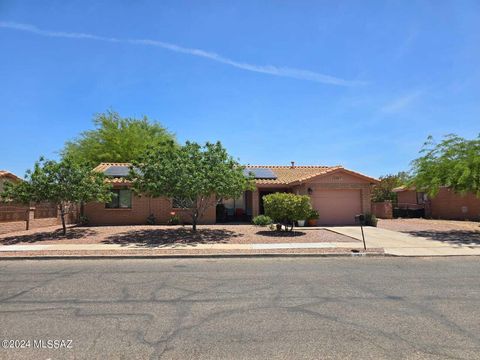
column 264, row 69
column 401, row 102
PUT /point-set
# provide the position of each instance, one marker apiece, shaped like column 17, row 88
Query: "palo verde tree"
column 63, row 183
column 116, row 139
column 286, row 208
column 453, row 162
column 194, row 176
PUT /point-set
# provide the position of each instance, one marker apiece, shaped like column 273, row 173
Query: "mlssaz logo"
column 52, row 344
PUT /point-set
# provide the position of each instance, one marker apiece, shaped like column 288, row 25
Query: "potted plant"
column 301, row 223
column 313, row 217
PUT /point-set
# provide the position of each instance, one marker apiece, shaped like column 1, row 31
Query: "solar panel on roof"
column 117, row 171
column 261, row 173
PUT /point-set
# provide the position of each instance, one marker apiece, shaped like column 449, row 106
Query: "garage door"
column 337, row 207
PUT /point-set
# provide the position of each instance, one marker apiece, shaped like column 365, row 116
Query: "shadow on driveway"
column 159, row 237
column 72, row 233
column 452, row 236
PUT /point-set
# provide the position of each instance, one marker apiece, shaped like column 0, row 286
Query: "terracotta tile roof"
column 286, row 175
column 8, row 174
column 403, row 188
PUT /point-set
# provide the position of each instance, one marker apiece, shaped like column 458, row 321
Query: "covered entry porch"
column 247, row 206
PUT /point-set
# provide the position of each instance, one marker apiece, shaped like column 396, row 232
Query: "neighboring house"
column 447, row 204
column 6, row 176
column 410, row 198
column 336, row 193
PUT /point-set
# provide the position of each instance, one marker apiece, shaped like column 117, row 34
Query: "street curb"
column 201, row 256
column 431, row 256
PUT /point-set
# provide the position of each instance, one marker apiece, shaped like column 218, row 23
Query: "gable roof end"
column 4, row 174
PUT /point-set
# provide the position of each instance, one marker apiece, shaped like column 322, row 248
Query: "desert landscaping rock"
column 159, row 234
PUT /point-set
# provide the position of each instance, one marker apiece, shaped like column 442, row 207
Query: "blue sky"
column 357, row 83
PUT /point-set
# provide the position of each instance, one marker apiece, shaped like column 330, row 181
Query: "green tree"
column 193, row 175
column 63, row 183
column 116, row 139
column 383, row 190
column 286, row 208
column 453, row 162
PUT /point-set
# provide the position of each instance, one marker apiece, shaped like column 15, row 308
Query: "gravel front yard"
column 451, row 231
column 157, row 235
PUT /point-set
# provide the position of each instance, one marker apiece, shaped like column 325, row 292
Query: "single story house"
column 7, row 176
column 338, row 194
column 447, row 204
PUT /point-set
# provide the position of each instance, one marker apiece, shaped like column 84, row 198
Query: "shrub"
column 262, row 220
column 371, row 220
column 83, row 220
column 313, row 215
column 151, row 220
column 285, row 208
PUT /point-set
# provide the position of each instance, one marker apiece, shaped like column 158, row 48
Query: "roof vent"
column 293, row 164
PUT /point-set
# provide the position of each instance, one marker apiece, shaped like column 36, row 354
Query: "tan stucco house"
column 338, row 194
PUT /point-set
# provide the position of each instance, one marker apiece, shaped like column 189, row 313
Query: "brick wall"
column 33, row 223
column 142, row 207
column 450, row 205
column 407, row 198
column 382, row 210
column 13, row 212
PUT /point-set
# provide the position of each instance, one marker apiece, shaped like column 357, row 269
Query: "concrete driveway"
column 402, row 244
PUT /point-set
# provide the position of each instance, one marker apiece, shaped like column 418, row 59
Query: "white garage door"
column 337, row 207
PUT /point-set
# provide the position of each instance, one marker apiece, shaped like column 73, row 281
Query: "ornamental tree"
column 454, row 162
column 63, row 183
column 383, row 190
column 117, row 139
column 193, row 175
column 286, row 208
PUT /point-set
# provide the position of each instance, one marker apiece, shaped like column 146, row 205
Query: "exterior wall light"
column 310, row 191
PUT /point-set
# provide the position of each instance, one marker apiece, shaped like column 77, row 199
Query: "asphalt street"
column 252, row 308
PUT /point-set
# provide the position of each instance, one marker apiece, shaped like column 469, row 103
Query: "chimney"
column 293, row 164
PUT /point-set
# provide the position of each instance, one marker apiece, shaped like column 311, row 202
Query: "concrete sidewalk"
column 177, row 246
column 401, row 244
column 192, row 249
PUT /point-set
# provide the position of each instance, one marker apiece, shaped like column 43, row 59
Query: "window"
column 180, row 203
column 421, row 198
column 121, row 199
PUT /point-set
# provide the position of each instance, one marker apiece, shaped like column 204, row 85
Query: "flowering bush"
column 174, row 219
